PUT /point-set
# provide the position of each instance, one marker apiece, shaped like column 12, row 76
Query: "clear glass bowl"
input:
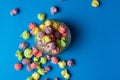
column 61, row 49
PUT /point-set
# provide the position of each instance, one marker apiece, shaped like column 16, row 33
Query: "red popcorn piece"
column 18, row 66
column 39, row 54
column 32, row 26
column 33, row 65
column 54, row 60
column 62, row 29
column 65, row 34
column 56, row 51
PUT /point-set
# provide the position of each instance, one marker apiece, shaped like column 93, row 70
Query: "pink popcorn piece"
column 14, row 12
column 33, row 65
column 47, row 68
column 54, row 60
column 23, row 45
column 53, row 10
column 17, row 66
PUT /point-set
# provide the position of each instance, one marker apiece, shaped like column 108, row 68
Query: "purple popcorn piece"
column 26, row 61
column 48, row 30
column 23, row 45
column 47, row 68
column 41, row 34
column 57, row 34
column 70, row 63
column 56, row 78
column 49, row 46
column 48, row 57
column 14, row 11
column 53, row 10
column 28, row 68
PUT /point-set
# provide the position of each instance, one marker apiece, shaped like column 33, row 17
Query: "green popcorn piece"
column 25, row 35
column 28, row 53
column 19, row 54
column 63, row 43
column 43, row 60
column 29, row 78
column 41, row 16
column 41, row 71
column 64, row 38
column 58, row 42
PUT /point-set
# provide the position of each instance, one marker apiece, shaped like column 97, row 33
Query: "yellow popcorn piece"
column 65, row 74
column 35, row 59
column 36, row 31
column 48, row 23
column 46, row 39
column 62, row 64
column 42, row 26
column 55, row 25
column 36, row 76
column 95, row 3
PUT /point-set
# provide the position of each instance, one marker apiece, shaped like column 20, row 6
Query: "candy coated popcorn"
column 62, row 29
column 28, row 68
column 70, row 63
column 23, row 45
column 42, row 26
column 46, row 39
column 54, row 60
column 26, row 61
column 65, row 74
column 18, row 66
column 41, row 71
column 35, row 59
column 48, row 30
column 41, row 16
column 47, row 68
column 34, row 51
column 48, row 23
column 62, row 64
column 36, row 31
column 56, row 50
column 55, row 25
column 48, row 57
column 35, row 75
column 63, row 43
column 43, row 60
column 29, row 78
column 39, row 54
column 19, row 54
column 25, row 35
column 14, row 12
column 53, row 10
column 56, row 78
column 95, row 3
column 28, row 53
column 33, row 65
column 32, row 26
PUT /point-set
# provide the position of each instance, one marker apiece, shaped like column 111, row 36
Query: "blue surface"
column 95, row 37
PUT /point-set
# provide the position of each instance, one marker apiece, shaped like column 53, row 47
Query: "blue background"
column 95, row 37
